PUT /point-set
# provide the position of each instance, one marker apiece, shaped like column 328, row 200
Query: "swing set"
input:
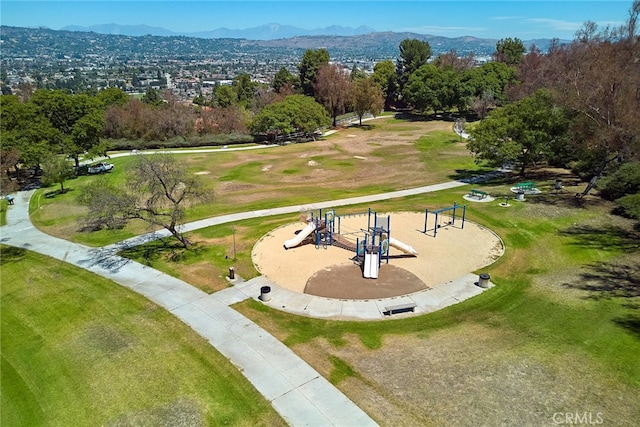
column 437, row 224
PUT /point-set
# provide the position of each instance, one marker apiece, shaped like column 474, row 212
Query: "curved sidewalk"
column 296, row 390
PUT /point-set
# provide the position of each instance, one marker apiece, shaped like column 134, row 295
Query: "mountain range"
column 264, row 32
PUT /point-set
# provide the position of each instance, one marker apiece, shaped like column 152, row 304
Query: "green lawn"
column 80, row 350
column 422, row 153
column 561, row 329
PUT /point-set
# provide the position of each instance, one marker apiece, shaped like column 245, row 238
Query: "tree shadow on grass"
column 616, row 280
column 58, row 192
column 610, row 280
column 604, row 238
column 11, row 254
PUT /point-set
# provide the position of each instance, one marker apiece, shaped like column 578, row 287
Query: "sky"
column 450, row 18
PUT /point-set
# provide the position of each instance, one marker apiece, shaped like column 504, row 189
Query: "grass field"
column 79, row 350
column 560, row 333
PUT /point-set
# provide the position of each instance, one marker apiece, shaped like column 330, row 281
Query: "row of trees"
column 577, row 105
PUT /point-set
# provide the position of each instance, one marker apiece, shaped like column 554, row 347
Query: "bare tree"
column 158, row 191
column 333, row 89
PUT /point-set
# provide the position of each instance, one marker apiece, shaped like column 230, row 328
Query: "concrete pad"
column 340, row 410
column 297, row 410
column 362, row 310
column 324, row 307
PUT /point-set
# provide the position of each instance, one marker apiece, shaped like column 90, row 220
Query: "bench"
column 479, row 193
column 400, row 308
column 524, row 186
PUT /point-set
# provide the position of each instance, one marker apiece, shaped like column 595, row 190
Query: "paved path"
column 297, row 392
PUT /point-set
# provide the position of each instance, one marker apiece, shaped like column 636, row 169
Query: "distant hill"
column 369, row 47
column 263, row 32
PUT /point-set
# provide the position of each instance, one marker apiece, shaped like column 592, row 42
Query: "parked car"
column 100, row 167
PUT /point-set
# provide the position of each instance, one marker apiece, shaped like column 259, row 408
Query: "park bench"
column 478, row 193
column 525, row 186
column 400, row 308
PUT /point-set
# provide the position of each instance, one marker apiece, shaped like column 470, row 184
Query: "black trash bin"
column 265, row 293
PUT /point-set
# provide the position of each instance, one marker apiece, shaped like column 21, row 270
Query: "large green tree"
column 312, row 61
column 79, row 119
column 509, row 51
column 431, row 87
column 414, row 54
column 367, row 97
column 524, row 133
column 384, row 74
column 296, row 113
column 285, row 80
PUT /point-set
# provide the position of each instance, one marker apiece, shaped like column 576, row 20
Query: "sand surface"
column 454, row 252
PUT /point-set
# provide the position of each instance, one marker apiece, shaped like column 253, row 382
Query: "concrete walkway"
column 297, row 391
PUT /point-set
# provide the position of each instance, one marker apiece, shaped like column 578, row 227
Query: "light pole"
column 233, row 231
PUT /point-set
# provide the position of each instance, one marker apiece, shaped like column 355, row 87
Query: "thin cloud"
column 507, row 18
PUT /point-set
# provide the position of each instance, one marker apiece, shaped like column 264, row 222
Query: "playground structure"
column 369, row 250
column 321, row 229
column 437, row 224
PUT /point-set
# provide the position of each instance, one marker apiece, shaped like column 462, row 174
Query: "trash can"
column 520, row 196
column 265, row 293
column 483, row 280
column 232, row 273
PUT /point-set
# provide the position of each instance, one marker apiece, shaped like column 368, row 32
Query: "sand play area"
column 333, row 272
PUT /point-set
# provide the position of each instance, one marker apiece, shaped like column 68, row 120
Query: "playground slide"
column 370, row 266
column 298, row 238
column 402, row 246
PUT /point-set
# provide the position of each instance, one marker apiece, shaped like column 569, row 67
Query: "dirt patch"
column 346, row 281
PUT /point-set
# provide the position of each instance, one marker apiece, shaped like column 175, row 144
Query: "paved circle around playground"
column 332, row 272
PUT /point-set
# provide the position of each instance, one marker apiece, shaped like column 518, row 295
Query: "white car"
column 100, row 167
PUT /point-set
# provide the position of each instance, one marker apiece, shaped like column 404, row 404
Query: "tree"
column 434, row 88
column 367, row 97
column 597, row 78
column 524, row 132
column 244, row 88
column 333, row 90
column 451, row 60
column 56, row 170
column 158, row 191
column 384, row 74
column 296, row 113
column 414, row 54
column 79, row 119
column 152, row 97
column 509, row 51
column 308, row 68
column 356, row 73
column 225, row 96
column 492, row 77
column 112, row 96
column 283, row 79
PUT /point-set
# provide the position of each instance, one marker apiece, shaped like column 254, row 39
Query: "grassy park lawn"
column 560, row 333
column 387, row 155
column 79, row 350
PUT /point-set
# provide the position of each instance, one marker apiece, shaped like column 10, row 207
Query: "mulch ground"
column 346, row 282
